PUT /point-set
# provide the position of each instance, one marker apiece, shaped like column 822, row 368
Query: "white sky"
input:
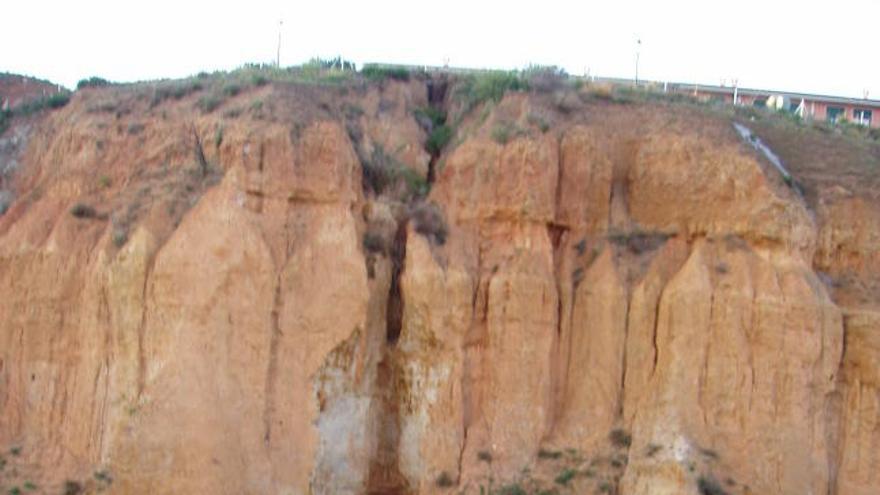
column 810, row 46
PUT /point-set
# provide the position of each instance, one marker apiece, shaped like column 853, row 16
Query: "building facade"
column 809, row 106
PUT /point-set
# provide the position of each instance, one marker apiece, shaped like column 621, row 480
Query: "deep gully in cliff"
column 436, row 99
column 385, row 476
column 436, row 92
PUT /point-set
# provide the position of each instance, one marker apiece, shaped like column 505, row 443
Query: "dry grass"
column 821, row 156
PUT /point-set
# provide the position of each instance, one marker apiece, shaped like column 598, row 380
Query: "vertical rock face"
column 593, row 308
column 237, row 355
column 711, row 343
column 859, row 459
column 227, row 291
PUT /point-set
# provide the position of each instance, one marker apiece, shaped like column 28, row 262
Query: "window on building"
column 862, row 116
column 833, row 114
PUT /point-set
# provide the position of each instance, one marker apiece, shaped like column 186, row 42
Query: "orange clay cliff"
column 293, row 282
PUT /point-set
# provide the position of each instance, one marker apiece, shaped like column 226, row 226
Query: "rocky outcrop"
column 593, row 308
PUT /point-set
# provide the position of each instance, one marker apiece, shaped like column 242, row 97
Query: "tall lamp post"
column 278, row 53
column 638, row 50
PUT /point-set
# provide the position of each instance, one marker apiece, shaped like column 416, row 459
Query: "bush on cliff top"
column 489, row 86
column 544, row 78
column 379, row 72
column 52, row 102
column 92, row 82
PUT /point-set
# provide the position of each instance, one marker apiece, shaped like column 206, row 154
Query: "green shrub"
column 380, row 73
column 337, row 63
column 429, row 222
column 416, row 185
column 380, row 172
column 352, row 111
column 489, row 86
column 92, row 82
column 209, row 103
column 637, row 242
column 708, row 486
column 549, row 454
column 119, row 237
column 175, row 90
column 539, row 122
column 14, row 491
column 5, row 120
column 259, row 80
column 54, row 101
column 103, row 107
column 58, row 100
column 512, row 489
column 103, row 477
column 565, row 476
column 444, row 480
column 29, row 486
column 231, row 89
column 318, row 71
column 620, row 438
column 433, row 115
column 82, row 210
column 544, row 78
column 135, row 128
column 628, row 94
column 438, row 139
column 503, row 133
column 72, row 487
column 374, row 242
column 711, row 454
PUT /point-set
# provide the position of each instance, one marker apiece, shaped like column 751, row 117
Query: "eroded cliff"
column 287, row 291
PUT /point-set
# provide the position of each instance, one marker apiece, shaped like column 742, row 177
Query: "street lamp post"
column 638, row 50
column 278, row 53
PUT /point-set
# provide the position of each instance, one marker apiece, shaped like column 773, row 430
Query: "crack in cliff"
column 624, row 357
column 394, row 307
column 141, row 348
column 562, row 277
column 391, row 389
column 104, row 403
column 704, row 369
column 272, row 368
column 460, row 460
column 655, row 326
column 269, row 406
column 436, row 90
column 384, row 476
